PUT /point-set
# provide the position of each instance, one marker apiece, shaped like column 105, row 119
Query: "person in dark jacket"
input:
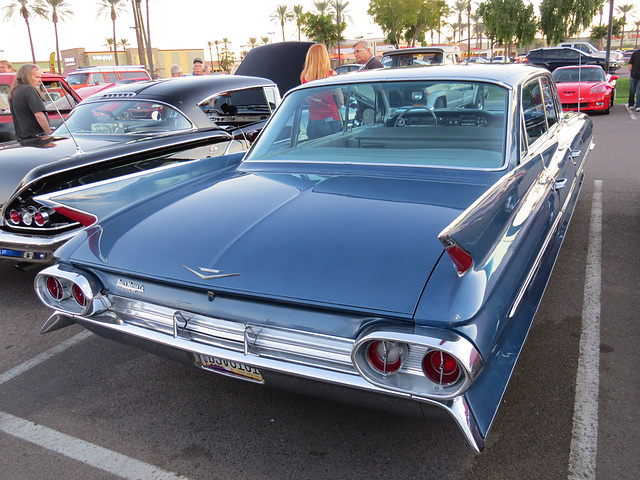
column 26, row 102
column 634, row 80
column 362, row 52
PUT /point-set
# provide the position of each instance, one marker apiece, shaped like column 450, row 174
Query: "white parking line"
column 85, row 452
column 584, row 436
column 37, row 360
column 632, row 113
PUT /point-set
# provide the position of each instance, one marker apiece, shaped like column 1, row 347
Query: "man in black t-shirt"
column 634, row 80
column 26, row 104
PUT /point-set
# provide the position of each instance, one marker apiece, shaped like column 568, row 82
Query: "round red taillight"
column 384, row 356
column 441, row 368
column 41, row 218
column 15, row 217
column 79, row 295
column 54, row 287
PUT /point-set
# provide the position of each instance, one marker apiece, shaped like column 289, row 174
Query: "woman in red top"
column 324, row 118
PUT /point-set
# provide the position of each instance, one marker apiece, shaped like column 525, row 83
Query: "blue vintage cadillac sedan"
column 374, row 245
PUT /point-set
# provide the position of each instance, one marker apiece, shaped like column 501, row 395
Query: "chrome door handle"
column 561, row 183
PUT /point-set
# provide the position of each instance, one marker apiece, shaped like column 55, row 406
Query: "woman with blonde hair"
column 26, row 102
column 324, row 118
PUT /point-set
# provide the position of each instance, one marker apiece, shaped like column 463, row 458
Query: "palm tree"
column 264, row 40
column 624, row 9
column 57, row 10
column 112, row 8
column 108, row 43
column 124, row 43
column 339, row 9
column 459, row 6
column 253, row 41
column 211, row 44
column 321, row 6
column 21, row 8
column 297, row 14
column 281, row 16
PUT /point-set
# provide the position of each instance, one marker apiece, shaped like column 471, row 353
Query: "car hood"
column 347, row 242
column 574, row 86
column 18, row 158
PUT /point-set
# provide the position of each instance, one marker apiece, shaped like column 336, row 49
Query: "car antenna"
column 79, row 150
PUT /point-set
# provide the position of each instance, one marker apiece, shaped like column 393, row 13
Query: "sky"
column 183, row 24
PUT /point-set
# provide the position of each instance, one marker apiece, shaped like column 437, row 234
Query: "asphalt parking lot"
column 73, row 405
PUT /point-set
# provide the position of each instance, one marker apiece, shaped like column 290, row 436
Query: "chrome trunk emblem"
column 216, row 273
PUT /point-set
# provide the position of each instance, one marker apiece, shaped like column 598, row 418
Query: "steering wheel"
column 106, row 112
column 401, row 122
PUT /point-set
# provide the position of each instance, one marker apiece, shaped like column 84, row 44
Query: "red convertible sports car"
column 585, row 88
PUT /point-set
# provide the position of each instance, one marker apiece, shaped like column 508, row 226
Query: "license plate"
column 231, row 369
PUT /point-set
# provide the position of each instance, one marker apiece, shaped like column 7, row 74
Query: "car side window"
column 112, row 77
column 534, row 111
column 549, row 104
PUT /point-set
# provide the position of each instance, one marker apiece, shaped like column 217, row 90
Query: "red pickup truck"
column 60, row 97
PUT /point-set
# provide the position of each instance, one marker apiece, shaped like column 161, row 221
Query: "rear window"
column 77, row 78
column 420, row 123
column 124, row 117
column 133, row 75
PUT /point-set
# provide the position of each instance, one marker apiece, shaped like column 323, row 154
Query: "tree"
column 253, row 41
column 282, row 15
column 298, row 11
column 112, row 8
column 124, row 43
column 459, row 7
column 211, row 44
column 339, row 9
column 600, row 32
column 227, row 57
column 320, row 28
column 562, row 19
column 321, row 6
column 393, row 16
column 507, row 21
column 637, row 25
column 264, row 40
column 624, row 9
column 21, row 8
column 408, row 19
column 57, row 10
column 428, row 18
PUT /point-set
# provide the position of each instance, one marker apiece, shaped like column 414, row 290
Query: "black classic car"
column 130, row 128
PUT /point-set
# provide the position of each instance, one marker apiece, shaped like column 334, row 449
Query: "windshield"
column 579, row 74
column 426, row 123
column 124, row 117
column 77, row 78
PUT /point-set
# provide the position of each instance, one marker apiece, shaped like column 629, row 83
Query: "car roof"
column 510, row 74
column 436, row 48
column 8, row 77
column 185, row 90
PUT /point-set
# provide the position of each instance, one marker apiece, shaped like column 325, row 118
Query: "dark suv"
column 554, row 57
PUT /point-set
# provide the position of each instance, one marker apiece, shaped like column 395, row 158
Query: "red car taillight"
column 54, row 287
column 79, row 295
column 461, row 258
column 84, row 219
column 15, row 217
column 441, row 368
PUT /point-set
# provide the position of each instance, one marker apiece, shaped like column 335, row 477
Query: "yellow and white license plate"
column 230, row 368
